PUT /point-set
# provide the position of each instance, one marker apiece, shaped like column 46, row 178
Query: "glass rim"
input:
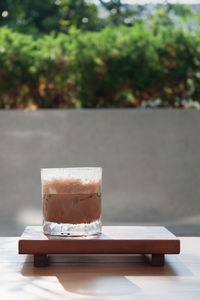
column 77, row 168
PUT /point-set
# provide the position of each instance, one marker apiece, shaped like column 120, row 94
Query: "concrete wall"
column 150, row 160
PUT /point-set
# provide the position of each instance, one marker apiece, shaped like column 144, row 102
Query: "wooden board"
column 151, row 240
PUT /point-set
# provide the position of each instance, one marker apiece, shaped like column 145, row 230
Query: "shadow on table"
column 101, row 277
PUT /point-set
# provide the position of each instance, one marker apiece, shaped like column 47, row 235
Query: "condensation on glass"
column 71, row 199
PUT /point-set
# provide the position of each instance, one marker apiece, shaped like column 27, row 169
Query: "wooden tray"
column 152, row 241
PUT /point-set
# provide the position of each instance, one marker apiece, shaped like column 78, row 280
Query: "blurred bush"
column 146, row 65
column 38, row 17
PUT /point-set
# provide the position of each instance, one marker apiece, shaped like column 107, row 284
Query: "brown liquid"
column 72, row 201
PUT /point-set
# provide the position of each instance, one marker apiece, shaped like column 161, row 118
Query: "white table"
column 97, row 277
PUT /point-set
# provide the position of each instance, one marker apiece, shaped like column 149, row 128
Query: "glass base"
column 66, row 229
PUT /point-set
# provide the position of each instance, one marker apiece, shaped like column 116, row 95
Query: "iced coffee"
column 71, row 201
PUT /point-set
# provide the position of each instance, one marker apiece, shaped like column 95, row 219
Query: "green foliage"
column 42, row 17
column 122, row 13
column 122, row 67
column 38, row 17
column 78, row 14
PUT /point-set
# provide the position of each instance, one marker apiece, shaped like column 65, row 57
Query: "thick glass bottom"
column 66, row 229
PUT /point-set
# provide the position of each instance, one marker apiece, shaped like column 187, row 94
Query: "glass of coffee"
column 71, row 199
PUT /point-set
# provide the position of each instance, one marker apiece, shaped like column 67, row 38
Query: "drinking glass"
column 71, row 199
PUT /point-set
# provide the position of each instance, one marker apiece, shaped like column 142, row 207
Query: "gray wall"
column 150, row 160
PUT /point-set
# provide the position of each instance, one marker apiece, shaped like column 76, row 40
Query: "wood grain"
column 152, row 240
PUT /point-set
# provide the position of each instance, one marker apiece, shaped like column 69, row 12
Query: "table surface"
column 100, row 276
